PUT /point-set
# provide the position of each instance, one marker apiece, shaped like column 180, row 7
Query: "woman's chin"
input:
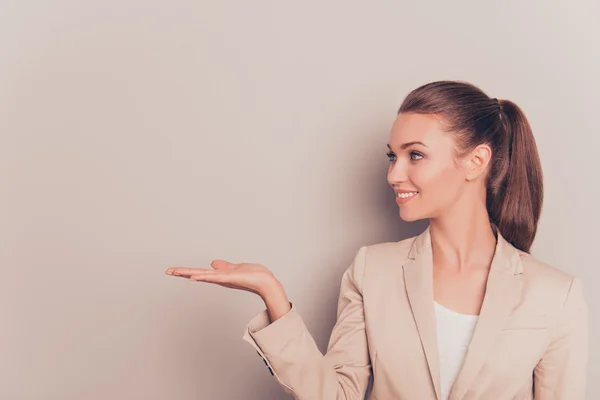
column 408, row 216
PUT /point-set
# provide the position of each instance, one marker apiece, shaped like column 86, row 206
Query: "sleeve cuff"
column 270, row 338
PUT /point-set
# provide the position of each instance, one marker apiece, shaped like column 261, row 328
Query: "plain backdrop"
column 137, row 135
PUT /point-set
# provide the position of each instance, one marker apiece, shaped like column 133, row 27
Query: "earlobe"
column 477, row 167
column 472, row 172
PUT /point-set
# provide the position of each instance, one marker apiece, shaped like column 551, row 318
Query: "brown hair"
column 514, row 181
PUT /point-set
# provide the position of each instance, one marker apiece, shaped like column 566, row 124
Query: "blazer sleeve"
column 561, row 374
column 294, row 359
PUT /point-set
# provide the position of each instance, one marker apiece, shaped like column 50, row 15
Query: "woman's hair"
column 514, row 182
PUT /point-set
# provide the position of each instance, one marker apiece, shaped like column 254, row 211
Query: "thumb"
column 223, row 265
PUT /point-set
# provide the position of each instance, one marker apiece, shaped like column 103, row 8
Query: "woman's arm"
column 561, row 374
column 293, row 357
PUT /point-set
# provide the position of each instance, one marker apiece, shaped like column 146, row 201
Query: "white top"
column 454, row 332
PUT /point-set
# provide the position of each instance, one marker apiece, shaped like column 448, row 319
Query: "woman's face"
column 423, row 160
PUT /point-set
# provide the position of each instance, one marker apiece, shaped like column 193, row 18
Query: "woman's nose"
column 397, row 173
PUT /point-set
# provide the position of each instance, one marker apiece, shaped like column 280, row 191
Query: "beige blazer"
column 530, row 341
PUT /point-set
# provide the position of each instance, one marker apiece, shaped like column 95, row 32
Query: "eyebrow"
column 405, row 145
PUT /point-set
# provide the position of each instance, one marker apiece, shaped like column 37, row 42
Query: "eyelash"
column 390, row 154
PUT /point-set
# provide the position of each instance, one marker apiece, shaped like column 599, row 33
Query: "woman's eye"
column 414, row 154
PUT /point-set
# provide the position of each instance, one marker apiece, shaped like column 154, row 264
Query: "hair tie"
column 497, row 104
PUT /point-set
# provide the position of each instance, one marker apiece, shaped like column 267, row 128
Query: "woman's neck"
column 463, row 245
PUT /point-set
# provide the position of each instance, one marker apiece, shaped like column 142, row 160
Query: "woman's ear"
column 477, row 161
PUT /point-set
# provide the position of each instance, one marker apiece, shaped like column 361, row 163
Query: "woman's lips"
column 404, row 200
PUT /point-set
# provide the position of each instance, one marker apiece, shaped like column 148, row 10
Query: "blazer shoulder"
column 542, row 270
column 388, row 254
column 544, row 278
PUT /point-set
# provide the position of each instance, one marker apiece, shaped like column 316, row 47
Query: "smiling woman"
column 462, row 311
column 448, row 134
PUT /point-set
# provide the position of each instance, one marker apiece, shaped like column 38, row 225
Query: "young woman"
column 461, row 311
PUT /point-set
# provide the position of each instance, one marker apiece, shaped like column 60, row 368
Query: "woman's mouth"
column 404, row 197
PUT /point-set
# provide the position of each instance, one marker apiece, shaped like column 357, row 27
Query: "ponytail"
column 514, row 203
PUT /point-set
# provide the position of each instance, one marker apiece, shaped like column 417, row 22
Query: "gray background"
column 138, row 135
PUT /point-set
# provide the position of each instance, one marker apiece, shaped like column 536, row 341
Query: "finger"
column 223, row 265
column 185, row 271
column 210, row 276
column 216, row 264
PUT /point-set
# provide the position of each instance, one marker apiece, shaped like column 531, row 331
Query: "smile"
column 402, row 198
column 407, row 195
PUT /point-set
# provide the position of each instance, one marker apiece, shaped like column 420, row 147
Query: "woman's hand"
column 253, row 278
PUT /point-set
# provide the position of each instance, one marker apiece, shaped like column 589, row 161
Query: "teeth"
column 406, row 195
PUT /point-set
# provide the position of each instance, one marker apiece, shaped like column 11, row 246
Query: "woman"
column 461, row 311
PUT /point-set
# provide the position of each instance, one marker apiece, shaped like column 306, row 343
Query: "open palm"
column 244, row 276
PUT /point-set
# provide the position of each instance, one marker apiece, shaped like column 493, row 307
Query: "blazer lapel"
column 503, row 292
column 418, row 279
